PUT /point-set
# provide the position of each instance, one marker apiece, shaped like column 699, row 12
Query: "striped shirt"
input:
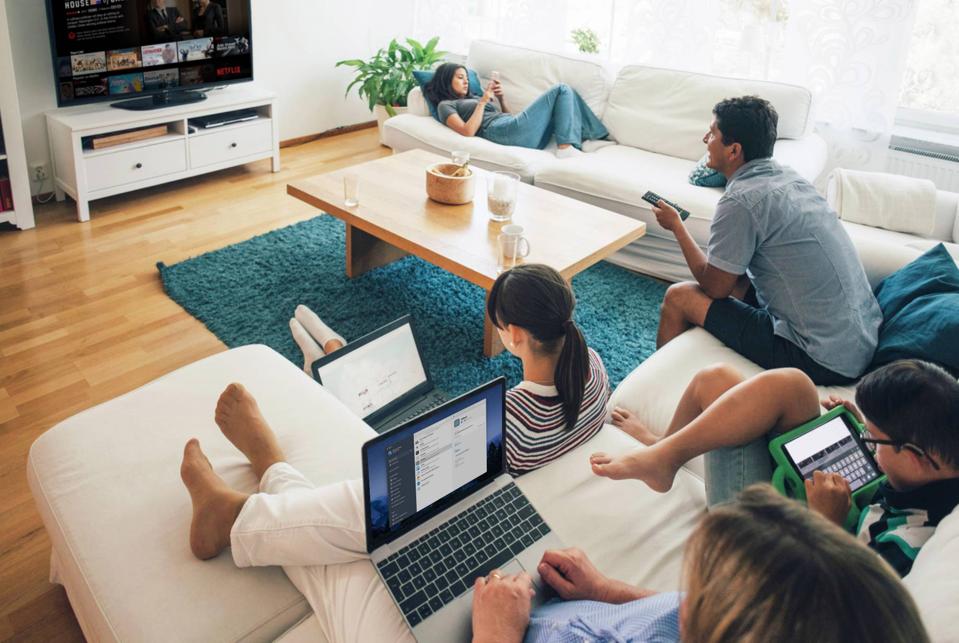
column 899, row 523
column 536, row 432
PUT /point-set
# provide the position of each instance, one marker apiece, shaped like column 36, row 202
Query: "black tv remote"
column 652, row 197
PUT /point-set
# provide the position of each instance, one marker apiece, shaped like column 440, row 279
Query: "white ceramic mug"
column 512, row 246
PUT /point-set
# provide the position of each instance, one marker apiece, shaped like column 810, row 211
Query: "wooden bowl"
column 452, row 190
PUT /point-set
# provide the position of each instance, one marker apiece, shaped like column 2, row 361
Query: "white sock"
column 567, row 152
column 315, row 326
column 311, row 350
column 593, row 146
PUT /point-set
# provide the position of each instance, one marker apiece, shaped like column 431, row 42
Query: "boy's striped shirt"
column 536, row 432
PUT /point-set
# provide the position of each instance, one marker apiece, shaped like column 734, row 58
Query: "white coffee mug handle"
column 524, row 243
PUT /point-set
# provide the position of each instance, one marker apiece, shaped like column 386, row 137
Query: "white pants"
column 318, row 535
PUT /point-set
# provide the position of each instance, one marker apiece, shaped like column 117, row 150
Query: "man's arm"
column 716, row 283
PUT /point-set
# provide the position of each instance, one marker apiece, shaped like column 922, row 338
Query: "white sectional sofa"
column 106, row 484
column 657, row 118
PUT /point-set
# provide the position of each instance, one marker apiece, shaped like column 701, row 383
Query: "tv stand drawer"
column 237, row 141
column 131, row 166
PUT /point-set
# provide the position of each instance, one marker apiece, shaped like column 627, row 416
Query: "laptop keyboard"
column 420, row 409
column 433, row 570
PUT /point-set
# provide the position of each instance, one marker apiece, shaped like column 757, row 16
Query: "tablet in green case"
column 829, row 442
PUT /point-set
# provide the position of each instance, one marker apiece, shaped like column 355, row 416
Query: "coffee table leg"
column 492, row 344
column 364, row 252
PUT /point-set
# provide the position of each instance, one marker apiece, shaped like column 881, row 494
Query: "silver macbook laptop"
column 381, row 377
column 441, row 511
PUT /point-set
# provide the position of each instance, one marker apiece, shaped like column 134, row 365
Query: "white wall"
column 295, row 46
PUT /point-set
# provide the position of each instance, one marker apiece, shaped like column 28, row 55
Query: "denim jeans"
column 732, row 469
column 560, row 112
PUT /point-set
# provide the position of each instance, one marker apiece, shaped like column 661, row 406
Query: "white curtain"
column 850, row 53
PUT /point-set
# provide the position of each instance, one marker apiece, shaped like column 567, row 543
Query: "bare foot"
column 642, row 464
column 630, row 424
column 240, row 420
column 215, row 504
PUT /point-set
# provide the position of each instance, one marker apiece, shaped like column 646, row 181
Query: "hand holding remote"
column 668, row 214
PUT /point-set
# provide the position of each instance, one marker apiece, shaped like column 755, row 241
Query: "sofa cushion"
column 408, row 132
column 107, row 487
column 933, row 581
column 705, row 176
column 621, row 175
column 527, row 73
column 668, row 111
column 920, row 309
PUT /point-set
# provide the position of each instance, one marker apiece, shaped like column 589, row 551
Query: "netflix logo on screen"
column 231, row 70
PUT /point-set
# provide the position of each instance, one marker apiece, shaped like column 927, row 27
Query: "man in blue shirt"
column 780, row 281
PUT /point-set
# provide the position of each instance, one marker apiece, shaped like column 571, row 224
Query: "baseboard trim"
column 300, row 140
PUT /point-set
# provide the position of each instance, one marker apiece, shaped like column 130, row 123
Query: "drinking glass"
column 501, row 192
column 351, row 190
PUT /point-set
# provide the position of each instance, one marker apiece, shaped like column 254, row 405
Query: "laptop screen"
column 832, row 447
column 417, row 470
column 371, row 375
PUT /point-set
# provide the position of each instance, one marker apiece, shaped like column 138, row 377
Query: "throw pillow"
column 706, row 176
column 422, row 77
column 920, row 312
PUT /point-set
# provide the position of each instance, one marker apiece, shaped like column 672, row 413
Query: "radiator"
column 939, row 166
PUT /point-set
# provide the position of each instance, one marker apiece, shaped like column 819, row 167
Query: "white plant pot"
column 382, row 116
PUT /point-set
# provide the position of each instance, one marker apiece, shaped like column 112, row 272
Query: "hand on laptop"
column 830, row 495
column 501, row 606
column 574, row 577
column 833, row 401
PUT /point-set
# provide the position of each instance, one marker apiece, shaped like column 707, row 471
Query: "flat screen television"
column 155, row 52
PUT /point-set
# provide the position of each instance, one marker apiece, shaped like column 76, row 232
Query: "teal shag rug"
column 246, row 294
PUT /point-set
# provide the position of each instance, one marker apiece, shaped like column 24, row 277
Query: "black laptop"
column 381, row 377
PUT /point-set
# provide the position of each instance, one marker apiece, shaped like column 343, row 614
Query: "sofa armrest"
column 806, row 155
column 416, row 103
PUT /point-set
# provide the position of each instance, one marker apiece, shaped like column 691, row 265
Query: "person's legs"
column 685, row 305
column 771, row 401
column 323, row 334
column 729, row 470
column 706, row 386
column 308, row 346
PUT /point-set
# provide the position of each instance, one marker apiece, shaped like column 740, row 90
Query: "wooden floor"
column 83, row 318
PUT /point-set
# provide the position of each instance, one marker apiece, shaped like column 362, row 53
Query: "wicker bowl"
column 452, row 190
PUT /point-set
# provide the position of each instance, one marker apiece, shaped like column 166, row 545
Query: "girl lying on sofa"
column 561, row 402
column 559, row 113
column 763, row 569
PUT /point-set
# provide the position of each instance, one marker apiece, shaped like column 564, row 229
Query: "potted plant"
column 385, row 79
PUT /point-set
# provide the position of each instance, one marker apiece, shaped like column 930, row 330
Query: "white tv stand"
column 87, row 174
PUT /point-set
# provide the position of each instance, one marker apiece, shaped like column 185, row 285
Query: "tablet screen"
column 832, row 447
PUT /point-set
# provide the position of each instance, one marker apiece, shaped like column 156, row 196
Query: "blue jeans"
column 560, row 112
column 732, row 469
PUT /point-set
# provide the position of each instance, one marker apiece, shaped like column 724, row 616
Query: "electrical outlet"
column 39, row 171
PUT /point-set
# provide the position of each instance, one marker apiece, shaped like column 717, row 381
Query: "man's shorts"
column 747, row 328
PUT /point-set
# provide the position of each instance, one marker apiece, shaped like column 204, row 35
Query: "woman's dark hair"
column 537, row 299
column 914, row 401
column 750, row 121
column 440, row 86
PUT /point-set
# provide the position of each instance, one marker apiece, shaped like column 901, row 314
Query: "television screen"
column 117, row 49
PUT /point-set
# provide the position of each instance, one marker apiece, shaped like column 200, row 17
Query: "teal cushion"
column 920, row 311
column 422, row 77
column 706, row 176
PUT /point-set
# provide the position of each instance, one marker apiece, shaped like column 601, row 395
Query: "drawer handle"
column 138, row 166
column 232, row 144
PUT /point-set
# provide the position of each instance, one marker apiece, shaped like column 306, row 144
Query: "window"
column 930, row 88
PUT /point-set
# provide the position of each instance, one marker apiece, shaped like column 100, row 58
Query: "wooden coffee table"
column 395, row 218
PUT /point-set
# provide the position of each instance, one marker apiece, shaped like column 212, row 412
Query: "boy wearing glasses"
column 911, row 412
